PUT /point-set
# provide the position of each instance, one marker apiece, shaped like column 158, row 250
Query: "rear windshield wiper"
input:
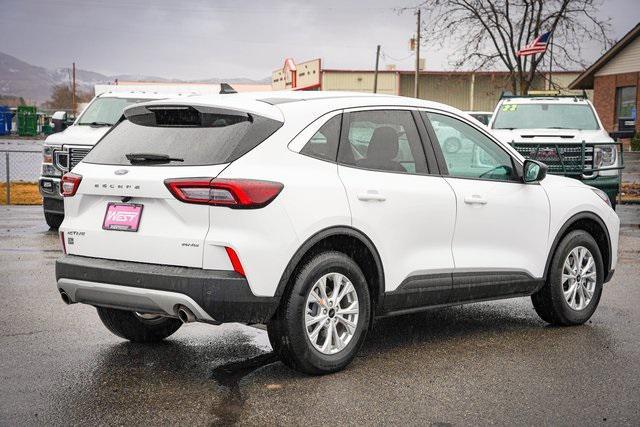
column 151, row 158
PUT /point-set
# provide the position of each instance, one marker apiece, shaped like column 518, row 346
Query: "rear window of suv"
column 185, row 135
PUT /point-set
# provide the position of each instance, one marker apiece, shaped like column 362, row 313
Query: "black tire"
column 549, row 302
column 287, row 330
column 452, row 145
column 128, row 325
column 53, row 220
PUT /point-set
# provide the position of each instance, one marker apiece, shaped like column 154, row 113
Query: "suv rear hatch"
column 122, row 207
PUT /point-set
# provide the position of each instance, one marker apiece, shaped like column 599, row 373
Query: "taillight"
column 233, row 193
column 70, row 183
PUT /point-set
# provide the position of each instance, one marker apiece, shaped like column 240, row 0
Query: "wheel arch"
column 350, row 241
column 592, row 224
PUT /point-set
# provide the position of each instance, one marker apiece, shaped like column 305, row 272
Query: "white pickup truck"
column 64, row 150
column 564, row 132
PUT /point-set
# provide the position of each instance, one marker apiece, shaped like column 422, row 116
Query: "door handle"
column 475, row 199
column 371, row 196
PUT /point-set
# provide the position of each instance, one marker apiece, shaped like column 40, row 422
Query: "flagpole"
column 550, row 61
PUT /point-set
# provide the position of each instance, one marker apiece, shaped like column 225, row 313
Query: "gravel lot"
column 487, row 363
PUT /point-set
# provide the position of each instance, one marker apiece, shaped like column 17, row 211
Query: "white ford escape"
column 315, row 213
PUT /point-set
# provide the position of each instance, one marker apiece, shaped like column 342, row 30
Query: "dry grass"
column 22, row 193
column 630, row 192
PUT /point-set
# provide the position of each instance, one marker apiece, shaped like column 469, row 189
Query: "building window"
column 626, row 102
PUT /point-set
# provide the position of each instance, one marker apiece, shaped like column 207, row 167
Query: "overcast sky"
column 192, row 39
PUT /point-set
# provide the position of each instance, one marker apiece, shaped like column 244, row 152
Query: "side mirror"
column 59, row 115
column 533, row 171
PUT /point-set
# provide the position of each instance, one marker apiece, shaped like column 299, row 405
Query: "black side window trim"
column 427, row 145
column 344, row 141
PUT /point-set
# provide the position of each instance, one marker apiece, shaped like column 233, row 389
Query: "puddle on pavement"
column 229, row 376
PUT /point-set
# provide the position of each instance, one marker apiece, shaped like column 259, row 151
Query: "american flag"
column 539, row 45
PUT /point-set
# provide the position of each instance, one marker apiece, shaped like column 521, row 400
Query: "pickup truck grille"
column 67, row 158
column 76, row 155
column 562, row 159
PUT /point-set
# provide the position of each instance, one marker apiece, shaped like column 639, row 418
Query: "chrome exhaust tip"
column 186, row 315
column 65, row 298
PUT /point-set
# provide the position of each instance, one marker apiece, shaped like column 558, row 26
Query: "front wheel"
column 138, row 327
column 574, row 284
column 324, row 318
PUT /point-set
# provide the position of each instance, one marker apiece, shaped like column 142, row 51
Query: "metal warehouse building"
column 466, row 90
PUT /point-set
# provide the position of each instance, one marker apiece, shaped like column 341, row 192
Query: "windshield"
column 545, row 116
column 106, row 111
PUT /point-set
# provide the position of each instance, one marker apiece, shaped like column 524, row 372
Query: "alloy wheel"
column 331, row 313
column 579, row 278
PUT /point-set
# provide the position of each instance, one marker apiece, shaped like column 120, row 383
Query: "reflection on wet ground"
column 477, row 364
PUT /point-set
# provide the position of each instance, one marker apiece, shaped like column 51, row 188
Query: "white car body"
column 422, row 228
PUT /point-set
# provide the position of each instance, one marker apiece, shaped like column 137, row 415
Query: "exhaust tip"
column 186, row 315
column 65, row 298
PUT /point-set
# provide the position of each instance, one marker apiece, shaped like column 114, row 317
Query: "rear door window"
column 385, row 140
column 188, row 136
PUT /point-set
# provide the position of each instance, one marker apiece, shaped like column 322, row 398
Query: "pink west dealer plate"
column 122, row 217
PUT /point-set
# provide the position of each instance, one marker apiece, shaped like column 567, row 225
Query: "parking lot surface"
column 485, row 363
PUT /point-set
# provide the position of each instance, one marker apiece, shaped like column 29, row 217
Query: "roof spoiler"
column 225, row 88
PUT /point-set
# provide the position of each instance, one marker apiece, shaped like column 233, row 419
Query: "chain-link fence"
column 20, row 170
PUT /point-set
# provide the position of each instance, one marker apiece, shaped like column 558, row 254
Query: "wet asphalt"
column 486, row 363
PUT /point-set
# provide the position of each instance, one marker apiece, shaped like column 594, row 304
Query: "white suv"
column 315, row 213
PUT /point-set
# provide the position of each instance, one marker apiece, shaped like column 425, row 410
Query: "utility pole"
column 417, row 76
column 375, row 75
column 73, row 91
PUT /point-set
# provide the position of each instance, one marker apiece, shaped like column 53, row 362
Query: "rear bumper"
column 214, row 296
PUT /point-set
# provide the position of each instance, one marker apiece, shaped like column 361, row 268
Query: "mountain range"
column 34, row 84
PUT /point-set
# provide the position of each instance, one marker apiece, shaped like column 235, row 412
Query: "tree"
column 488, row 33
column 61, row 98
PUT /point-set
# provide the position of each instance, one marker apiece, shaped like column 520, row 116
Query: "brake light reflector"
column 70, row 183
column 235, row 261
column 233, row 193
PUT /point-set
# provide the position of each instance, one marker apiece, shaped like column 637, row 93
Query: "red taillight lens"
column 70, row 183
column 234, row 193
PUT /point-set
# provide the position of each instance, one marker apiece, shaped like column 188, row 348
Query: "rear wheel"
column 138, row 327
column 574, row 285
column 53, row 220
column 323, row 320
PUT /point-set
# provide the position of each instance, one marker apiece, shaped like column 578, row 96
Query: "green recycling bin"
column 27, row 120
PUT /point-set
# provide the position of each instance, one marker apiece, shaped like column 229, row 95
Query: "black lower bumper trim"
column 224, row 295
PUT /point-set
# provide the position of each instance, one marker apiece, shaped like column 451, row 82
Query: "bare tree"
column 61, row 97
column 488, row 33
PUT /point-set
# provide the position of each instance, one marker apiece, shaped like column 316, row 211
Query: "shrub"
column 635, row 142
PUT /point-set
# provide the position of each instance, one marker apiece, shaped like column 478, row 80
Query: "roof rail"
column 542, row 93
